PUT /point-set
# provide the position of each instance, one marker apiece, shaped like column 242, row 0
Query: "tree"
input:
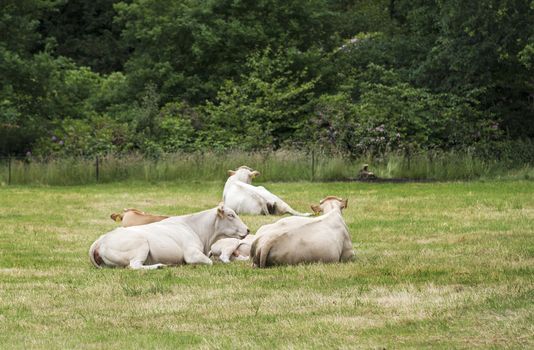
column 85, row 31
column 190, row 48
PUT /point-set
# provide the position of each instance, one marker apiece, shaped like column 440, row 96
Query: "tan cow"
column 176, row 240
column 240, row 195
column 295, row 240
column 135, row 217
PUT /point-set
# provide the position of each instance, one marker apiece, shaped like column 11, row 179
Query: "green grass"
column 441, row 265
column 277, row 166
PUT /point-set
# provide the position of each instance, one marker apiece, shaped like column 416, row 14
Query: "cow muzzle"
column 246, row 234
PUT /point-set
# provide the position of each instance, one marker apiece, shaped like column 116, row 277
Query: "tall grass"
column 275, row 166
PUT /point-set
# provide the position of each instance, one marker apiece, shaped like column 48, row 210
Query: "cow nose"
column 246, row 234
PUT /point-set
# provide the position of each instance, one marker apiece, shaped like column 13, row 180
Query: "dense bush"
column 266, row 109
column 353, row 78
column 391, row 115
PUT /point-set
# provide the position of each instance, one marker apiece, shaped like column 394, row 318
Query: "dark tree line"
column 346, row 76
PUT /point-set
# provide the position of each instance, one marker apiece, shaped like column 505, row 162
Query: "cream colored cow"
column 172, row 241
column 226, row 249
column 229, row 249
column 295, row 240
column 245, row 198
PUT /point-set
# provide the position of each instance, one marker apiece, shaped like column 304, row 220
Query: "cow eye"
column 231, row 215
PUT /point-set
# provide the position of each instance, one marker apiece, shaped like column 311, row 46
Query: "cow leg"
column 347, row 255
column 139, row 256
column 194, row 256
column 138, row 265
column 224, row 258
column 241, row 258
column 283, row 208
column 227, row 253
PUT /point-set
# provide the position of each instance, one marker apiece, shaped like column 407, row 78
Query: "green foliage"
column 350, row 77
column 264, row 110
column 83, row 138
column 393, row 115
column 477, row 46
column 177, row 132
column 189, row 48
column 85, row 32
column 19, row 21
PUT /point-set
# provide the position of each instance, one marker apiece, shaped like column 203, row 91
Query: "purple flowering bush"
column 392, row 116
column 76, row 137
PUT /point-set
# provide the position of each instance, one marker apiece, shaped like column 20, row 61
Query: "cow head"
column 118, row 217
column 228, row 224
column 244, row 174
column 328, row 204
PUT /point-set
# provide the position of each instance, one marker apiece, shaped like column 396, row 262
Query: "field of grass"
column 441, row 265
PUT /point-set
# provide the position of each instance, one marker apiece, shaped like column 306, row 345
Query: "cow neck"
column 338, row 215
column 228, row 183
column 334, row 209
column 203, row 224
column 334, row 213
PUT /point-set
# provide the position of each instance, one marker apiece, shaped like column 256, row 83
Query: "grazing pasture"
column 445, row 265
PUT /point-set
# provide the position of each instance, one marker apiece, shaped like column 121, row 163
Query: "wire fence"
column 279, row 166
column 274, row 166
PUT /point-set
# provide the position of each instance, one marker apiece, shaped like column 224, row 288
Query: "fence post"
column 9, row 170
column 97, row 169
column 313, row 165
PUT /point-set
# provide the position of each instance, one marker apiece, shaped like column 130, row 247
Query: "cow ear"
column 316, row 209
column 231, row 172
column 255, row 173
column 220, row 210
column 344, row 203
column 116, row 217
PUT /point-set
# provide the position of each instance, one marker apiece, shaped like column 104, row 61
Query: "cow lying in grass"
column 172, row 241
column 229, row 249
column 225, row 249
column 295, row 240
column 245, row 198
column 135, row 217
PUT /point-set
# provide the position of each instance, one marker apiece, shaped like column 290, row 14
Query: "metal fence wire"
column 29, row 170
column 11, row 164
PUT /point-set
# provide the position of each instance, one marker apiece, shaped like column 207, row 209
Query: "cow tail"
column 94, row 256
column 265, row 250
column 296, row 213
column 255, row 257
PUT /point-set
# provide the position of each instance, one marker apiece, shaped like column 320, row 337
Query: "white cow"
column 295, row 240
column 173, row 241
column 245, row 198
column 228, row 249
